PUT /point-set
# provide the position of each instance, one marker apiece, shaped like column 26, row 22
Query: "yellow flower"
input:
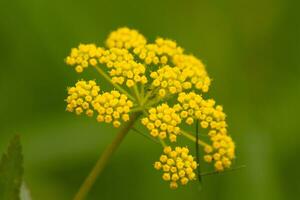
column 125, row 38
column 163, row 122
column 123, row 67
column 177, row 166
column 164, row 85
column 83, row 56
column 193, row 70
column 169, row 80
column 194, row 106
column 112, row 107
column 160, row 52
column 222, row 151
column 81, row 97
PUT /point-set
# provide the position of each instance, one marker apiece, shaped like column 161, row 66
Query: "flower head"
column 160, row 52
column 81, row 97
column 177, row 166
column 163, row 122
column 83, row 56
column 164, row 85
column 112, row 107
column 123, row 67
column 221, row 151
column 125, row 38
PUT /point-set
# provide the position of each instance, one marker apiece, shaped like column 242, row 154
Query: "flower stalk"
column 193, row 138
column 106, row 77
column 104, row 158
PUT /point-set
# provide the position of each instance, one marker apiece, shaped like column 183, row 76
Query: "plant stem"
column 162, row 142
column 104, row 158
column 193, row 138
column 102, row 73
column 137, row 94
column 148, row 94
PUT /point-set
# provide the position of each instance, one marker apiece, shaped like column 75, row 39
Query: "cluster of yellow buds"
column 111, row 107
column 162, row 122
column 81, row 97
column 161, row 83
column 177, row 165
column 193, row 71
column 193, row 106
column 161, row 52
column 169, row 80
column 189, row 106
column 123, row 67
column 125, row 38
column 221, row 151
column 83, row 56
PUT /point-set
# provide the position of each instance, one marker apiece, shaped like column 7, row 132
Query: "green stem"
column 137, row 94
column 142, row 91
column 102, row 73
column 157, row 100
column 104, row 158
column 193, row 138
column 162, row 142
column 148, row 94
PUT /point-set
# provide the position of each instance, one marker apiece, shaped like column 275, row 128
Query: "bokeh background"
column 251, row 49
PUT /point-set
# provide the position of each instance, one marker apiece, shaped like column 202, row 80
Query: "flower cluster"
column 112, row 107
column 125, row 38
column 164, row 84
column 193, row 106
column 160, row 52
column 83, row 56
column 193, row 71
column 81, row 97
column 177, row 165
column 169, row 80
column 162, row 122
column 221, row 151
column 122, row 67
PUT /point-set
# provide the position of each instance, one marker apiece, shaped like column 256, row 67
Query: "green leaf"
column 11, row 171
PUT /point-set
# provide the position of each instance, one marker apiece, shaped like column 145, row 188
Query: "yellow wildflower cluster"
column 222, row 151
column 193, row 106
column 81, row 97
column 112, row 107
column 193, row 71
column 123, row 67
column 163, row 121
column 169, row 80
column 177, row 165
column 160, row 52
column 125, row 38
column 148, row 74
column 83, row 56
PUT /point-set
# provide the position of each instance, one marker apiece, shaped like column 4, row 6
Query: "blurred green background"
column 251, row 49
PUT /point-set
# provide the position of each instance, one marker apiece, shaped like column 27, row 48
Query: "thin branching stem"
column 106, row 77
column 162, row 142
column 193, row 138
column 137, row 94
column 104, row 158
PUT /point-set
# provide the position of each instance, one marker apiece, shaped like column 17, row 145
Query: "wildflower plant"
column 160, row 86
